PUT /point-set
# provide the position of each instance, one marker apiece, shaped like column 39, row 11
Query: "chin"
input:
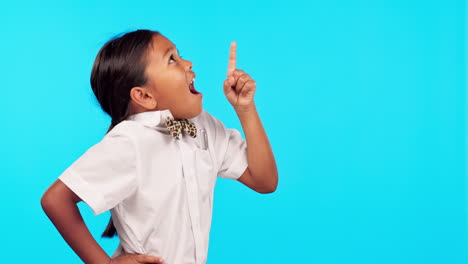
column 196, row 112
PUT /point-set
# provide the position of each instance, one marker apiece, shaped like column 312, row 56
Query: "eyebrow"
column 169, row 49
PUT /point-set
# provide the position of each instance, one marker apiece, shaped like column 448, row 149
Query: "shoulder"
column 139, row 134
column 124, row 131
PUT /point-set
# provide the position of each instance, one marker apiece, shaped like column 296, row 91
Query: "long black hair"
column 119, row 66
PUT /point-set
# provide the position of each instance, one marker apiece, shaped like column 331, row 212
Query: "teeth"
column 193, row 80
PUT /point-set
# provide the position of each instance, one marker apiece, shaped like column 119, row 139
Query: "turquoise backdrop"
column 364, row 103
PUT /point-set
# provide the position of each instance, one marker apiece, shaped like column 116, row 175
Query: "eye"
column 171, row 59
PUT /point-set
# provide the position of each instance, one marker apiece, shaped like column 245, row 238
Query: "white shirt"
column 159, row 189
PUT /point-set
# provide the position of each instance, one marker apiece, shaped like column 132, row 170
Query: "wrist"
column 242, row 110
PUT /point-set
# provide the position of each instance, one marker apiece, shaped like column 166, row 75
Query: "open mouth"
column 192, row 87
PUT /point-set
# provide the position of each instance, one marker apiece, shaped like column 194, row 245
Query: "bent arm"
column 239, row 88
column 261, row 174
column 60, row 205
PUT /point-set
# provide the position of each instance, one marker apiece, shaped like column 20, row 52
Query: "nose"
column 188, row 65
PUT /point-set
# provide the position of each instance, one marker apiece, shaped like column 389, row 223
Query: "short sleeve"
column 231, row 151
column 105, row 174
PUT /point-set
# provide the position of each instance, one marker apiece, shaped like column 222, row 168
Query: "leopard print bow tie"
column 175, row 127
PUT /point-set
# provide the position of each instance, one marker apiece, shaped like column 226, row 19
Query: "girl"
column 156, row 167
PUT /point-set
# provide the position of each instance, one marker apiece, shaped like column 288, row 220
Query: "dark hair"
column 119, row 66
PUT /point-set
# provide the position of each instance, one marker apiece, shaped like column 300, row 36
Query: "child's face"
column 170, row 80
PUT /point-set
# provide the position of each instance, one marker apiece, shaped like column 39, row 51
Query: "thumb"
column 228, row 85
column 230, row 81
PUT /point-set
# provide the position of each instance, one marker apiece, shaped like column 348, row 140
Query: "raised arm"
column 239, row 88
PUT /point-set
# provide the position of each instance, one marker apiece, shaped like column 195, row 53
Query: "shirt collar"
column 152, row 119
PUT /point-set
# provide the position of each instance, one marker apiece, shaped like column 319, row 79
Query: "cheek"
column 170, row 83
column 172, row 86
column 174, row 92
column 174, row 77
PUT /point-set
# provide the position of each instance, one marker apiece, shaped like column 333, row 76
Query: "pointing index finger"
column 232, row 59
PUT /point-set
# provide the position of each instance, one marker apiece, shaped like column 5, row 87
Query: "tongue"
column 192, row 89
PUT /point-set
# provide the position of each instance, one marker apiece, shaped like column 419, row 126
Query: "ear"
column 143, row 97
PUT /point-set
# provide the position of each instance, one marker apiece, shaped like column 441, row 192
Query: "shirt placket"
column 188, row 175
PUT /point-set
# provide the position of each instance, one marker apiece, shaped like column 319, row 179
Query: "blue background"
column 364, row 103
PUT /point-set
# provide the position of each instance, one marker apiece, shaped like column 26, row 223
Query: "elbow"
column 51, row 198
column 269, row 188
column 266, row 191
column 47, row 201
column 57, row 194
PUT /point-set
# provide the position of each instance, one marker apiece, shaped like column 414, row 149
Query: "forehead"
column 159, row 46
